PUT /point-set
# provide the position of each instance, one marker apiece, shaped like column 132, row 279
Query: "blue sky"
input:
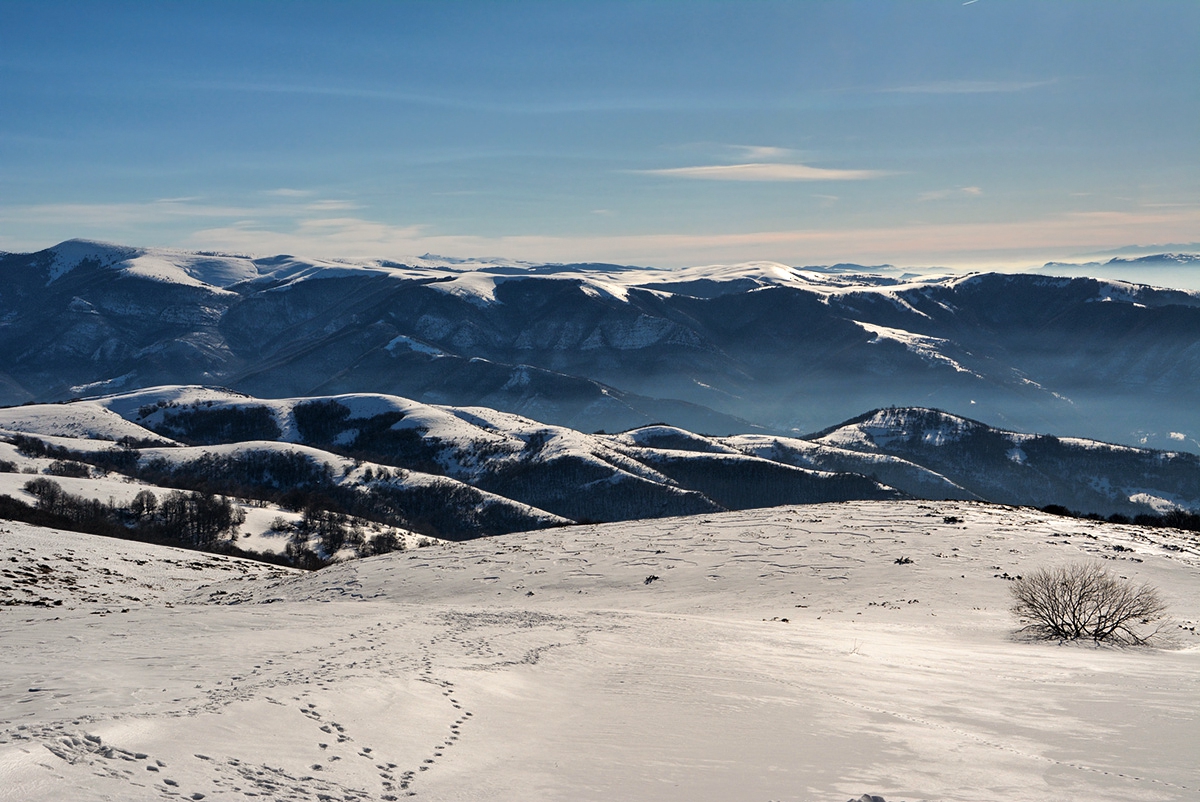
column 667, row 133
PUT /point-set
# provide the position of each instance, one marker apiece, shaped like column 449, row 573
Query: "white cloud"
column 765, row 171
column 1014, row 244
column 115, row 214
column 966, row 87
column 322, row 237
column 943, row 194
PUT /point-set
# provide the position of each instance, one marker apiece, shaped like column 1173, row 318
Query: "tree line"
column 202, row 521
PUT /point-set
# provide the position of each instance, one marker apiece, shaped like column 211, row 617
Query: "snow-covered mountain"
column 721, row 349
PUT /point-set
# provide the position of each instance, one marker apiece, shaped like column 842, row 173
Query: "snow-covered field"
column 777, row 654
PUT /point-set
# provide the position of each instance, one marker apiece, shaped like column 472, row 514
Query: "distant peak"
column 71, row 253
column 80, row 245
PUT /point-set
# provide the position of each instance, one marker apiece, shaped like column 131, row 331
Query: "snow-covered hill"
column 444, row 471
column 923, row 453
column 457, row 473
column 765, row 655
column 1016, row 468
column 67, row 571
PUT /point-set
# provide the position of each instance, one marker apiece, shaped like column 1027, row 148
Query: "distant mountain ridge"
column 1171, row 268
column 1150, row 259
column 758, row 347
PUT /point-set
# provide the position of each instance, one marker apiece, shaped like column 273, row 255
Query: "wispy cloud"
column 342, row 237
column 966, row 87
column 330, row 205
column 285, row 192
column 167, row 221
column 114, row 214
column 762, row 152
column 488, row 102
column 945, row 194
column 764, row 171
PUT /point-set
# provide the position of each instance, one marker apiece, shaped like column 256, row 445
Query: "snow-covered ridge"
column 883, row 427
column 994, row 462
column 476, row 279
column 927, row 347
column 84, row 419
column 473, row 277
column 550, row 471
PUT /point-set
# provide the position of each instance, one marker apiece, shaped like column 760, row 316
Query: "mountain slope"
column 1014, row 468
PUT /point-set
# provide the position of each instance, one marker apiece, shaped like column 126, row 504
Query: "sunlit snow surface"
column 550, row 666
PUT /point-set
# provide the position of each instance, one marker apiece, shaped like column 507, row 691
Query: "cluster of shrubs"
column 204, row 521
column 324, row 423
column 444, row 508
column 203, row 426
column 315, row 540
column 1175, row 518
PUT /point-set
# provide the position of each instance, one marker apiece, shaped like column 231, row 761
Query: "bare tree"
column 1086, row 600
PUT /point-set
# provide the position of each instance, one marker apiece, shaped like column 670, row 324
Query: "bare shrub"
column 1086, row 601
